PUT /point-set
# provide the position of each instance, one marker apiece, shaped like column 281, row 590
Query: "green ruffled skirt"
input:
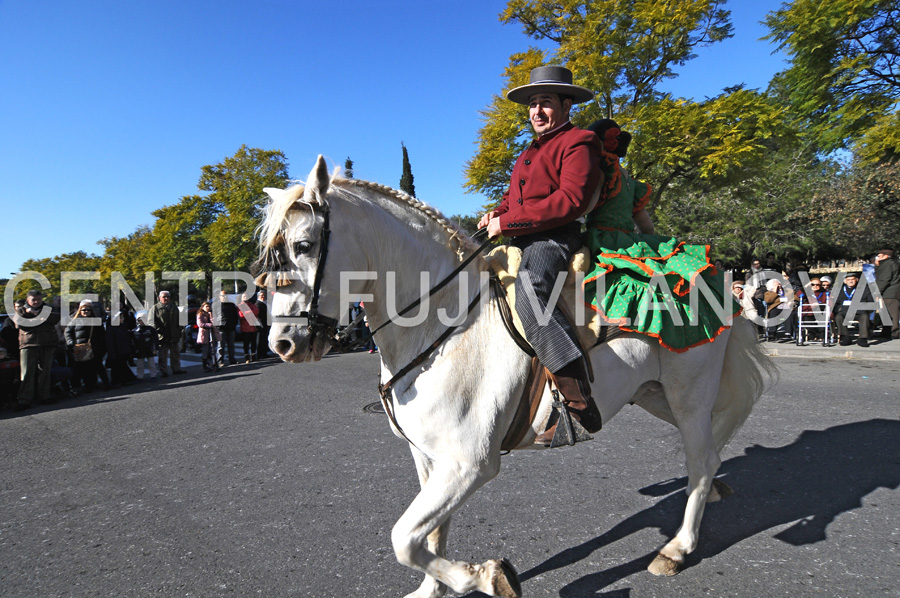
column 656, row 286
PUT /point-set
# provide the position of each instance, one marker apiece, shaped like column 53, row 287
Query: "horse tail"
column 746, row 373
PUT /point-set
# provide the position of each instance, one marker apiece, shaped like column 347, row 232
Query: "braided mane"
column 271, row 230
column 455, row 233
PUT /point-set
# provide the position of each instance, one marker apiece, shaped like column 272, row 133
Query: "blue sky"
column 109, row 109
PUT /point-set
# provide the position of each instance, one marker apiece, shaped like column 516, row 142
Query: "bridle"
column 318, row 324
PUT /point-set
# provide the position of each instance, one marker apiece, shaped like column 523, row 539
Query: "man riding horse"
column 552, row 186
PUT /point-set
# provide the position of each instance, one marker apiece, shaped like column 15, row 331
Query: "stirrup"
column 568, row 430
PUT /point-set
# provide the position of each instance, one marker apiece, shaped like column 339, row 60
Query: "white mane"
column 402, row 205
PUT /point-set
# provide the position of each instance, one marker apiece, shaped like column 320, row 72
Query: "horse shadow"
column 809, row 483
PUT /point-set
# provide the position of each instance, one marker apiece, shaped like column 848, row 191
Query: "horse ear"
column 317, row 183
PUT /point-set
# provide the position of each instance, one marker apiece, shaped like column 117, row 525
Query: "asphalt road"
column 273, row 479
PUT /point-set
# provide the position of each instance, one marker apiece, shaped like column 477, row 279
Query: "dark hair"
column 624, row 142
column 614, row 139
column 34, row 293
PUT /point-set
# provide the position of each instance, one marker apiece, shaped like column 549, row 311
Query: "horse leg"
column 449, row 483
column 436, row 541
column 695, row 424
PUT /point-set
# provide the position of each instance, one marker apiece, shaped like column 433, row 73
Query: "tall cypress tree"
column 348, row 168
column 406, row 181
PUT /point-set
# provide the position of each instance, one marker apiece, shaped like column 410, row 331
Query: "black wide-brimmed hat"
column 550, row 79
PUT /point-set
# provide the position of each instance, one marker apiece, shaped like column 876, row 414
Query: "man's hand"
column 492, row 222
column 493, row 228
column 486, row 219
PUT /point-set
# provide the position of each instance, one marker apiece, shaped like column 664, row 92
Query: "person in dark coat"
column 81, row 330
column 146, row 346
column 842, row 306
column 37, row 345
column 226, row 318
column 262, row 331
column 164, row 317
column 120, row 347
column 887, row 277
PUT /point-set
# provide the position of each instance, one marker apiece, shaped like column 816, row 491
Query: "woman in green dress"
column 644, row 282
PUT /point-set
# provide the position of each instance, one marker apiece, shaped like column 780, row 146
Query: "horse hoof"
column 719, row 490
column 663, row 565
column 504, row 579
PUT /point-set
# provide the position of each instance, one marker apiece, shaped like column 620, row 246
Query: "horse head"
column 295, row 245
column 335, row 240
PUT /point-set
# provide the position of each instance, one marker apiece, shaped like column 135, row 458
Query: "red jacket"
column 246, row 326
column 552, row 183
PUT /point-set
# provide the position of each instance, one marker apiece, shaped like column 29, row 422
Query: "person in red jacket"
column 554, row 183
column 249, row 318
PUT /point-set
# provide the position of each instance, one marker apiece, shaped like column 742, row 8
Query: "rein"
column 439, row 285
column 318, row 324
column 342, row 336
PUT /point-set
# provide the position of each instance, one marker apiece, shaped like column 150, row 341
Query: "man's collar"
column 550, row 134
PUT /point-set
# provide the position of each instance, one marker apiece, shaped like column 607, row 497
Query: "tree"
column 859, row 211
column 712, row 143
column 131, row 256
column 237, row 198
column 53, row 268
column 406, row 180
column 180, row 239
column 348, row 168
column 624, row 50
column 844, row 76
column 763, row 208
column 621, row 48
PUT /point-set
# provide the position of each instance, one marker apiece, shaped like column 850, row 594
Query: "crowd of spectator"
column 789, row 304
column 58, row 358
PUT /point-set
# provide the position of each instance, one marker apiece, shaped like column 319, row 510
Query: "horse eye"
column 301, row 247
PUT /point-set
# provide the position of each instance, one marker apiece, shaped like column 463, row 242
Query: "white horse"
column 456, row 405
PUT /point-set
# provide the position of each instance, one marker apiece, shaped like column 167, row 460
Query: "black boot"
column 206, row 367
column 575, row 388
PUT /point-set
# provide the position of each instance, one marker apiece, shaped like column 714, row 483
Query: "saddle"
column 504, row 262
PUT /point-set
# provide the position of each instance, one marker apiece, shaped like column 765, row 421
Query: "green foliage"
column 348, row 168
column 501, row 139
column 844, row 78
column 236, row 198
column 760, row 209
column 406, row 179
column 710, row 142
column 859, row 212
column 131, row 256
column 53, row 268
column 621, row 48
column 180, row 235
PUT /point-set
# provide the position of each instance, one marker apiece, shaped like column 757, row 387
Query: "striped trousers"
column 544, row 256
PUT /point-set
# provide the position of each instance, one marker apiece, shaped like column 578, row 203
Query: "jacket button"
column 521, row 182
column 527, row 162
column 520, row 201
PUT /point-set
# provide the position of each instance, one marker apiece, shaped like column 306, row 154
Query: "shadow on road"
column 807, row 483
column 194, row 377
